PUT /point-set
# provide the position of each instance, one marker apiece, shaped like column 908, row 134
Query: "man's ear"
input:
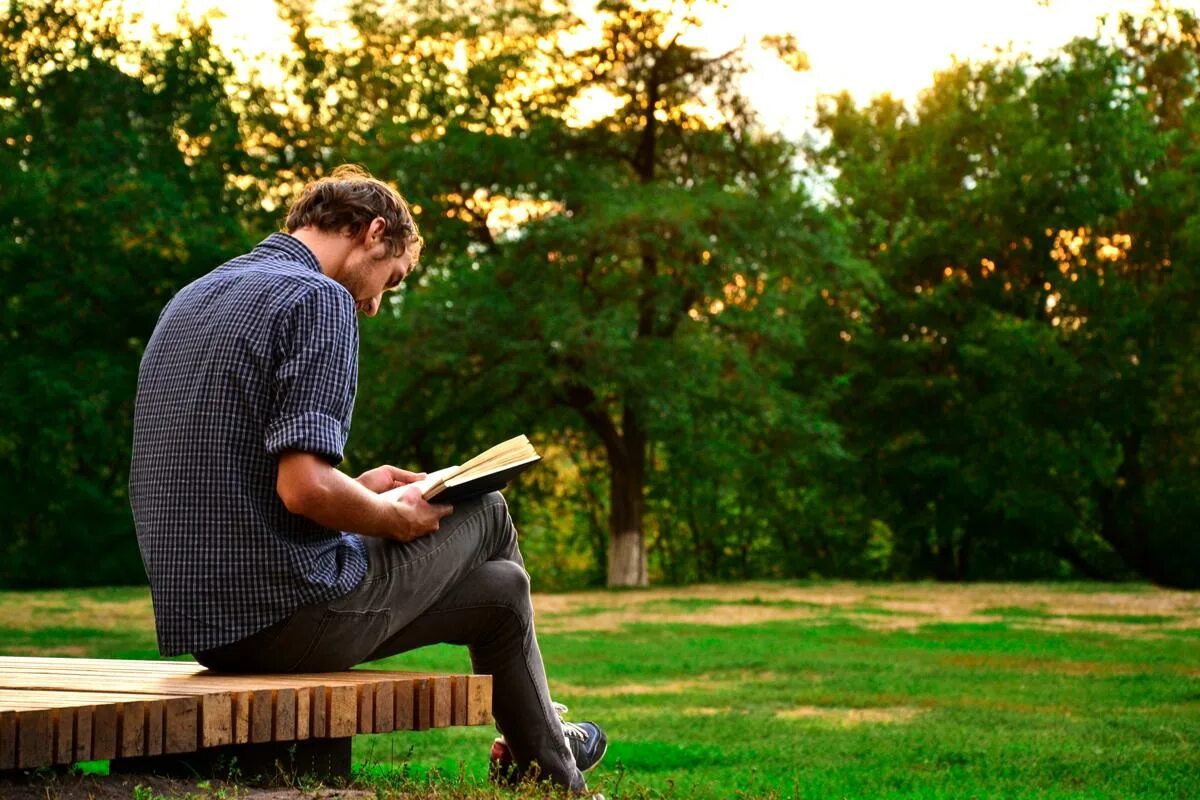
column 375, row 231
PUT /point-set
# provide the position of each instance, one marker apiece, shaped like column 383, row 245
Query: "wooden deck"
column 57, row 711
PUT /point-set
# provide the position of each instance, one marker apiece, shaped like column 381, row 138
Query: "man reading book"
column 261, row 555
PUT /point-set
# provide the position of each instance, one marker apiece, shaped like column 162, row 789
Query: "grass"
column 805, row 690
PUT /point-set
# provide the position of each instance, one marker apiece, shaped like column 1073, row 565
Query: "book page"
column 425, row 483
column 497, row 458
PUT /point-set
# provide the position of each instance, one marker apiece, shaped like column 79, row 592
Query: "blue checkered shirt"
column 257, row 357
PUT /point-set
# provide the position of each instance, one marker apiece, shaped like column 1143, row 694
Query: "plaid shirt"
column 257, row 357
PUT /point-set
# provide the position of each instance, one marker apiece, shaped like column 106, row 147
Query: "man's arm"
column 310, row 487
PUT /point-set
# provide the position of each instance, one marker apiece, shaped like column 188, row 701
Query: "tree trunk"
column 627, row 478
column 1122, row 517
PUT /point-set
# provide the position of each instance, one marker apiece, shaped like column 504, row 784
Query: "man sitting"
column 261, row 555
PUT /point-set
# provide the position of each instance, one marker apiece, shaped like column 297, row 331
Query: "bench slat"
column 35, row 737
column 181, row 719
column 8, row 739
column 81, row 746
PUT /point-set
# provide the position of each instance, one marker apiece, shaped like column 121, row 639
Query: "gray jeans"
column 464, row 584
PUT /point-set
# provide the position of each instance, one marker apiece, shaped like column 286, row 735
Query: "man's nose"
column 372, row 306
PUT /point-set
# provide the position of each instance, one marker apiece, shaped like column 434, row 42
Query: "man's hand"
column 415, row 517
column 381, row 479
column 310, row 487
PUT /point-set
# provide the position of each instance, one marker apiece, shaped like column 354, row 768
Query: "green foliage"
column 957, row 343
column 1016, row 391
column 645, row 314
column 113, row 162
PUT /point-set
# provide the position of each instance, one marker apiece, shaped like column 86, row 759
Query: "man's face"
column 370, row 271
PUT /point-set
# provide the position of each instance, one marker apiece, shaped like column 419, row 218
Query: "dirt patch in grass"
column 1035, row 666
column 1002, row 704
column 850, row 717
column 722, row 614
column 635, row 689
column 29, row 610
column 705, row 711
column 683, row 686
column 1147, row 613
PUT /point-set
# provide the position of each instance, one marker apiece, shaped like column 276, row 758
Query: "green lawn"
column 810, row 690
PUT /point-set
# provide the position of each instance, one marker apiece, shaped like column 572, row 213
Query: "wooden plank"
column 366, row 708
column 117, row 684
column 155, row 721
column 458, row 700
column 167, row 687
column 423, row 701
column 181, row 718
column 203, row 683
column 405, row 715
column 479, row 699
column 170, row 669
column 104, row 732
column 9, row 664
column 64, row 735
column 8, row 740
column 147, row 671
column 174, row 670
column 440, row 701
column 285, row 716
column 385, row 707
column 20, row 699
column 216, row 720
column 132, row 729
column 343, row 711
column 320, row 712
column 262, row 715
column 304, row 713
column 241, row 717
column 83, row 733
column 35, row 739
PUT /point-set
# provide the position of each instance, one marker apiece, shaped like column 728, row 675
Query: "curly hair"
column 346, row 200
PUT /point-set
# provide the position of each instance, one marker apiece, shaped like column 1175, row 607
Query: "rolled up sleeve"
column 316, row 375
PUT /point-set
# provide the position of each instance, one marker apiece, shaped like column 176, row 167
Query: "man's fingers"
column 442, row 510
column 402, row 477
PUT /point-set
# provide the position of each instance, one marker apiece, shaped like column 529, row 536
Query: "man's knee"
column 507, row 584
column 508, row 580
column 497, row 506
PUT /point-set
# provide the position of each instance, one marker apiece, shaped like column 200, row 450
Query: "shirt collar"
column 293, row 247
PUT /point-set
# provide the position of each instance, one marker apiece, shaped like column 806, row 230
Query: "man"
column 243, row 409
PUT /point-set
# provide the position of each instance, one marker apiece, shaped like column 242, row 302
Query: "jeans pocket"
column 301, row 643
column 343, row 639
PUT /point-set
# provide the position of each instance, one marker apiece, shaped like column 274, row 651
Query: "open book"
column 489, row 471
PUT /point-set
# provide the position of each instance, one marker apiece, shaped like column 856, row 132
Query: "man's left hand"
column 381, row 479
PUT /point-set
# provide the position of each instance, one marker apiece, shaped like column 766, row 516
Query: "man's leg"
column 491, row 613
column 403, row 580
column 466, row 584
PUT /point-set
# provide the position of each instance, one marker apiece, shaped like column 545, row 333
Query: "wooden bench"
column 179, row 718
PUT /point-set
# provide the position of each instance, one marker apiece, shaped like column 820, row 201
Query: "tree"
column 652, row 283
column 1010, row 382
column 113, row 162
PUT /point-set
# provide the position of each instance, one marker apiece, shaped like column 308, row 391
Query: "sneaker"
column 586, row 740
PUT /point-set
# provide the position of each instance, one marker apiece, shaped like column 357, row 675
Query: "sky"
column 866, row 47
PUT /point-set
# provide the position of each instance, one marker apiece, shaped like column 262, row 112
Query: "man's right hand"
column 310, row 487
column 416, row 517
